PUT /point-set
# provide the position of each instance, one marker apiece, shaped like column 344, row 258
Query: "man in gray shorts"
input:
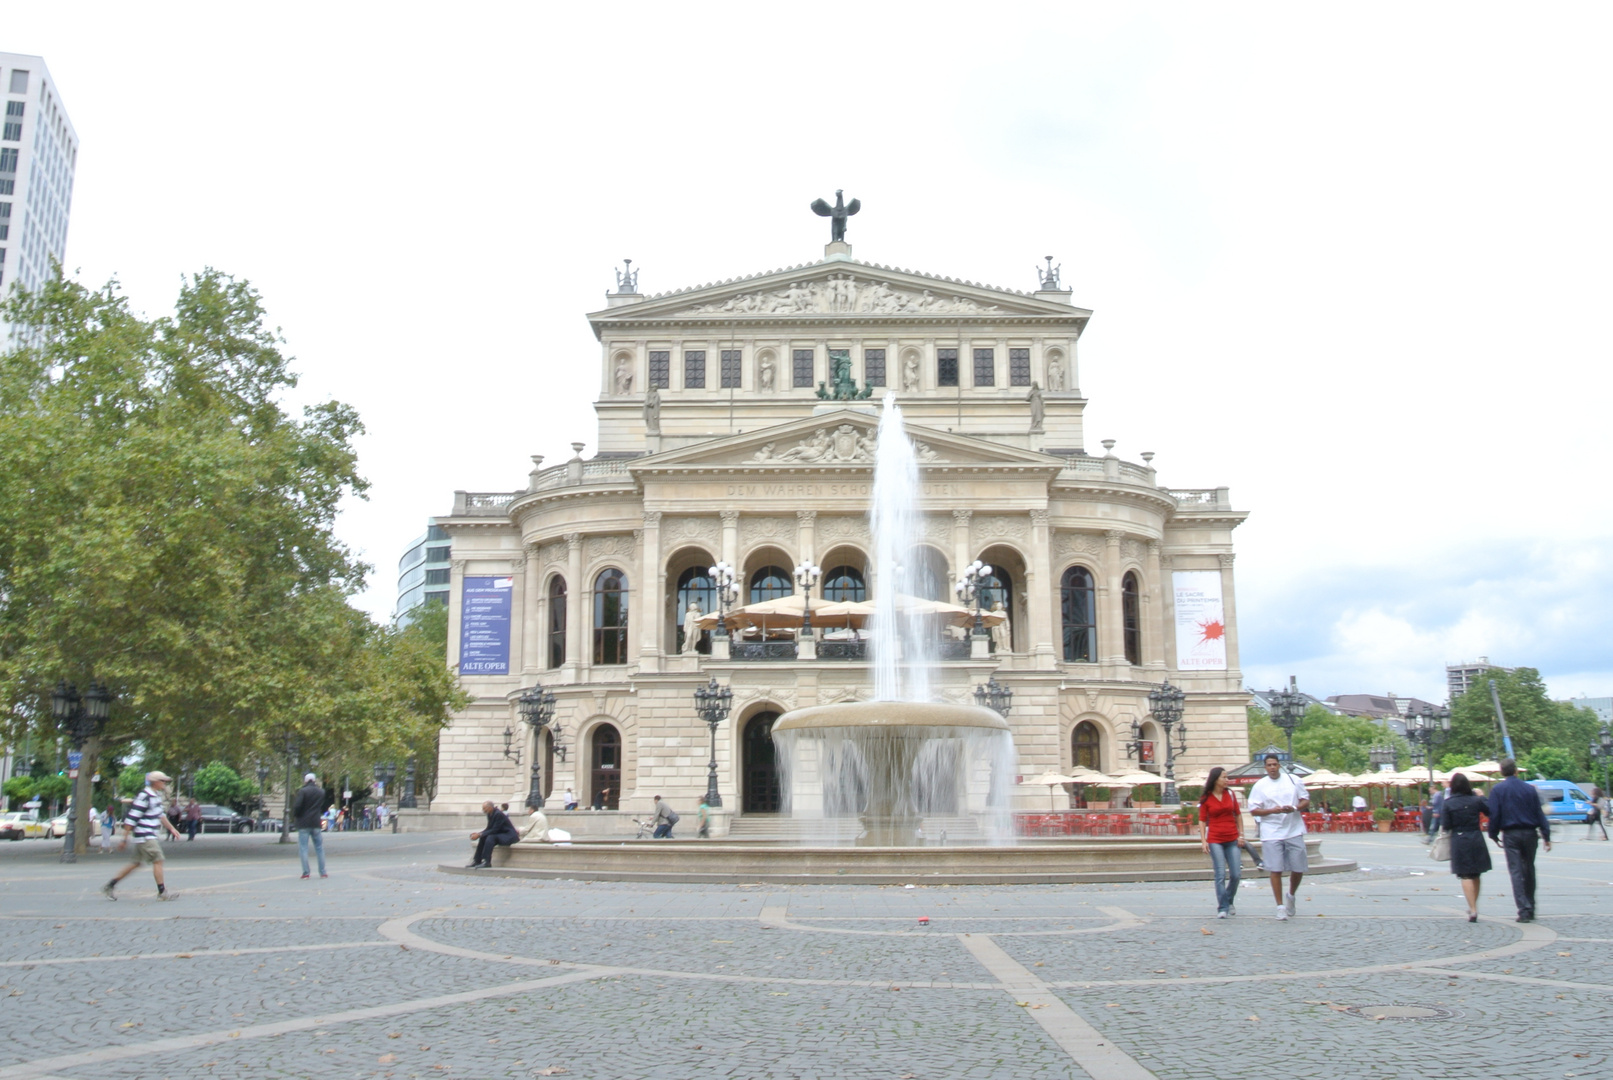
column 1278, row 802
column 143, row 822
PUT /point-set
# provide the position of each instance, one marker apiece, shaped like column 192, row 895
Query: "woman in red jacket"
column 1221, row 834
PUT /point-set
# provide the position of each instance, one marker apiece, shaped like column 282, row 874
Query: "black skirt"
column 1470, row 855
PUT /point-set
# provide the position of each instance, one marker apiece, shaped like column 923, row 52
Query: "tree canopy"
column 166, row 527
column 1324, row 740
column 1533, row 720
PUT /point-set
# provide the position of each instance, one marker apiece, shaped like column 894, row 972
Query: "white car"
column 21, row 825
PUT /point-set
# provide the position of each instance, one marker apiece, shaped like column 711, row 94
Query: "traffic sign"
column 72, row 774
column 74, row 759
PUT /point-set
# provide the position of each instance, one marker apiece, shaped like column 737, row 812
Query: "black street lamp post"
column 806, row 578
column 1287, row 707
column 407, row 801
column 712, row 702
column 385, row 773
column 726, row 582
column 285, row 818
column 1424, row 729
column 537, row 710
column 263, row 780
column 995, row 696
column 1602, row 751
column 969, row 588
column 81, row 718
column 1165, row 704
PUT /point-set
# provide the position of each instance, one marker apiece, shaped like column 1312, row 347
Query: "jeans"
column 1228, row 863
column 317, row 838
column 1520, row 846
column 663, row 831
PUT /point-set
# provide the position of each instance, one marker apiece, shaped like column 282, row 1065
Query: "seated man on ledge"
column 499, row 831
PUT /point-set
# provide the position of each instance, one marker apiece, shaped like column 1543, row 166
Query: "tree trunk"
column 83, row 789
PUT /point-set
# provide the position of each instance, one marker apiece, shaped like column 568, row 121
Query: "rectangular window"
column 873, row 367
column 5, row 232
column 14, row 108
column 13, row 132
column 946, row 367
column 19, row 81
column 8, row 162
column 438, row 554
column 5, row 209
column 694, row 370
column 985, row 367
column 661, row 370
column 1019, row 367
column 437, row 577
column 730, row 367
column 803, row 360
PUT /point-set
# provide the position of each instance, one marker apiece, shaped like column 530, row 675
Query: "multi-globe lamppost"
column 806, row 579
column 1165, row 705
column 1287, row 708
column 80, row 718
column 537, row 705
column 969, row 589
column 726, row 583
column 1602, row 751
column 1424, row 728
column 995, row 696
column 712, row 702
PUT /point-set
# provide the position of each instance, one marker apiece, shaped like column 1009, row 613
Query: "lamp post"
column 407, row 800
column 291, row 750
column 806, row 579
column 537, row 709
column 509, row 736
column 81, row 718
column 1424, row 728
column 1165, row 704
column 712, row 702
column 724, row 580
column 1602, row 751
column 263, row 781
column 969, row 587
column 1287, row 707
column 993, row 695
column 384, row 775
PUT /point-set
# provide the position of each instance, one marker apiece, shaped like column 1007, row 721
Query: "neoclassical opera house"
column 728, row 431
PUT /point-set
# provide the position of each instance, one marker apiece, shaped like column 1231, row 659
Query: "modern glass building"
column 38, row 156
column 423, row 573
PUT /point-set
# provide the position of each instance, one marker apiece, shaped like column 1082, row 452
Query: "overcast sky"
column 1351, row 261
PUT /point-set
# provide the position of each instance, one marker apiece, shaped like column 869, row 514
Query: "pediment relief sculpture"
column 846, row 444
column 842, row 294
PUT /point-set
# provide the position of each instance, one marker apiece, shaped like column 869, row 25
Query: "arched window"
column 695, row 587
column 998, row 588
column 1084, row 746
column 557, row 621
column 610, row 618
column 928, row 577
column 1076, row 611
column 605, row 768
column 845, row 585
column 770, row 583
column 1131, row 616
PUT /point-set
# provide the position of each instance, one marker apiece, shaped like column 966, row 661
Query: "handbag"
column 1440, row 849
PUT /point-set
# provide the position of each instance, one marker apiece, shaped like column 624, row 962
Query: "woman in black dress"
column 1470, row 856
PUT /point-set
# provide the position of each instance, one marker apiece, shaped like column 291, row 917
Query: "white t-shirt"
column 1283, row 791
column 1358, row 803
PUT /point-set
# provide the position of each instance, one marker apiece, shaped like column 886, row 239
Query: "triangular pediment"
column 845, row 438
column 838, row 289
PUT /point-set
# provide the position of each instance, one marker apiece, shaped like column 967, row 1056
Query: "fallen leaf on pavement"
column 386, row 1059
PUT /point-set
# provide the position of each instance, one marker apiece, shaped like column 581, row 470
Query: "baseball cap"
column 154, row 776
column 308, row 777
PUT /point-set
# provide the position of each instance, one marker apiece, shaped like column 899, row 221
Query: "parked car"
column 58, row 826
column 20, row 825
column 1563, row 800
column 221, row 819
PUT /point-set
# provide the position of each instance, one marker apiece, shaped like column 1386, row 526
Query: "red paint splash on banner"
column 1211, row 630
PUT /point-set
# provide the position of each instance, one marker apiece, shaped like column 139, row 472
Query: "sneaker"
column 1288, row 904
column 1282, row 913
column 305, row 877
column 169, row 895
column 323, row 874
column 1221, row 914
column 1232, row 911
column 109, row 891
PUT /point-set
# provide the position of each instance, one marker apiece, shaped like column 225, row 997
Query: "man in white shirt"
column 1358, row 802
column 1277, row 804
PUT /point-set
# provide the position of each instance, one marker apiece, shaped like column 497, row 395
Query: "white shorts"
column 1287, row 854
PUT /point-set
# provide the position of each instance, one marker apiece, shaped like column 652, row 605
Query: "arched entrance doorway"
column 759, row 785
column 605, row 767
column 1084, row 746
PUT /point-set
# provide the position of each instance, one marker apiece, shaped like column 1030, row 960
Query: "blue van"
column 1563, row 800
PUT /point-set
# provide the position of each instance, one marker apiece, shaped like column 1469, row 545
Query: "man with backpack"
column 665, row 818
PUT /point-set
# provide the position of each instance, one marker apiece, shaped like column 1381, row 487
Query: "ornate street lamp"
column 407, row 800
column 1424, row 729
column 806, row 579
column 969, row 588
column 1165, row 704
column 509, row 737
column 1602, row 751
column 291, row 751
column 726, row 582
column 385, row 773
column 712, row 702
column 995, row 696
column 1287, row 707
column 1380, row 756
column 537, row 706
column 80, row 718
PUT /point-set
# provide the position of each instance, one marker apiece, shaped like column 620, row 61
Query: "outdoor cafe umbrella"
column 859, row 612
column 1052, row 780
column 1328, row 778
column 1135, row 778
column 1491, row 767
column 779, row 613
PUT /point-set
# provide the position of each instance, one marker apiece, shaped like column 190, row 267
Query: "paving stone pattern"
column 394, row 969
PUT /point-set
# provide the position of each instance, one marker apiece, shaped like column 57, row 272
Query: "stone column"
column 1168, row 609
column 1229, row 612
column 532, row 615
column 1155, row 628
column 636, row 597
column 961, row 556
column 730, row 542
column 456, row 609
column 1041, row 596
column 653, row 591
column 576, row 596
column 806, row 522
column 518, row 619
column 1111, row 627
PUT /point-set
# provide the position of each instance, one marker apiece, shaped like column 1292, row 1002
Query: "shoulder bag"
column 1440, row 849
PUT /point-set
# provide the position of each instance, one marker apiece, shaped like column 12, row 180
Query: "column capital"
column 1041, row 518
column 652, row 519
column 730, row 518
column 573, row 541
column 806, row 517
column 1114, row 536
column 1226, row 558
column 962, row 517
column 458, row 564
column 1153, row 548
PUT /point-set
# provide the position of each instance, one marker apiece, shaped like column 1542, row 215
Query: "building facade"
column 423, row 572
column 1461, row 677
column 733, row 427
column 38, row 157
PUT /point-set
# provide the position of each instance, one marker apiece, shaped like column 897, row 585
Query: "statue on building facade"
column 766, row 374
column 627, row 278
column 1055, row 374
column 1002, row 635
column 1050, row 276
column 691, row 628
column 1038, row 410
column 910, row 372
column 844, row 387
column 837, row 215
column 624, row 377
column 652, row 411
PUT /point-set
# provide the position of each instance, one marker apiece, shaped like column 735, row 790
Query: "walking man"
column 1515, row 819
column 665, row 818
column 193, row 820
column 305, row 812
column 143, row 822
column 500, row 831
column 1278, row 803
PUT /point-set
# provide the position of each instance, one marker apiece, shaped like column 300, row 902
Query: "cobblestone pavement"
column 393, row 969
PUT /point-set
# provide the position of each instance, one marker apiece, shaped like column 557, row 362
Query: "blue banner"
column 484, row 625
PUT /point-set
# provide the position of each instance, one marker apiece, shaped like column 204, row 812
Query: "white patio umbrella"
column 949, row 614
column 779, row 613
column 1135, row 778
column 1052, row 780
column 1328, row 778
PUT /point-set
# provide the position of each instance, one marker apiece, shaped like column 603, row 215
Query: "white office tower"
column 38, row 153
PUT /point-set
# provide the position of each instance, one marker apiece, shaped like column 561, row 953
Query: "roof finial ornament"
column 837, row 215
column 627, row 278
column 1049, row 275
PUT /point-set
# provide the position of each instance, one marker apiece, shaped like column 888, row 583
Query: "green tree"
column 1533, row 719
column 1456, row 760
column 216, row 782
column 1342, row 743
column 19, row 789
column 1551, row 763
column 1262, row 732
column 167, row 528
column 53, row 790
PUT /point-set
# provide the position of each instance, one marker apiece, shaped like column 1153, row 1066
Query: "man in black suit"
column 499, row 830
column 1516, row 817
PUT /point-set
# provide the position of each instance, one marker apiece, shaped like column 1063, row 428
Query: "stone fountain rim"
column 890, row 715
